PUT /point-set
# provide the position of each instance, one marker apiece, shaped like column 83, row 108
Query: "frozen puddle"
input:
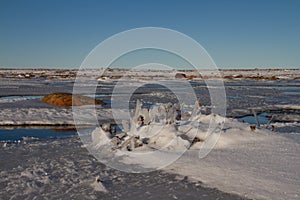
column 52, row 116
column 11, row 99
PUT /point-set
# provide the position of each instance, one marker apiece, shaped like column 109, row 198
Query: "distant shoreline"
column 115, row 74
column 220, row 69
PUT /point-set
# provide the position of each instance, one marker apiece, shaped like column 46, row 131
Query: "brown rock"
column 67, row 99
column 192, row 76
column 180, row 75
column 273, row 78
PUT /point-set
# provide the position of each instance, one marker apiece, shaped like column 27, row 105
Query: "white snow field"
column 256, row 164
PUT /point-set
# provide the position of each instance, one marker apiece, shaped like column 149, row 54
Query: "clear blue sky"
column 237, row 34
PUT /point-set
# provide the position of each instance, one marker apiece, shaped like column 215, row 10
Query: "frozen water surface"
column 260, row 164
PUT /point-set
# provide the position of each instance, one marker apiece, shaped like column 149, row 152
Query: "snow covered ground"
column 256, row 164
column 59, row 169
column 259, row 164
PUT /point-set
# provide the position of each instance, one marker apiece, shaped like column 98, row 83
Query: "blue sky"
column 237, row 34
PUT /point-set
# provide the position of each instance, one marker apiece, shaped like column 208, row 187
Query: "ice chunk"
column 99, row 137
column 125, row 125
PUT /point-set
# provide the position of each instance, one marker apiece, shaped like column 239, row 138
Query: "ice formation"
column 156, row 127
column 156, row 137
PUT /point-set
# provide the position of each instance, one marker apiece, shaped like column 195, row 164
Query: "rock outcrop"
column 67, row 99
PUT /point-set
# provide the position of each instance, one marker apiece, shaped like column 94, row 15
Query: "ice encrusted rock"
column 157, row 125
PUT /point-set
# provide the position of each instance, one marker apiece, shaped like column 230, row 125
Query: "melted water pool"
column 262, row 118
column 16, row 134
